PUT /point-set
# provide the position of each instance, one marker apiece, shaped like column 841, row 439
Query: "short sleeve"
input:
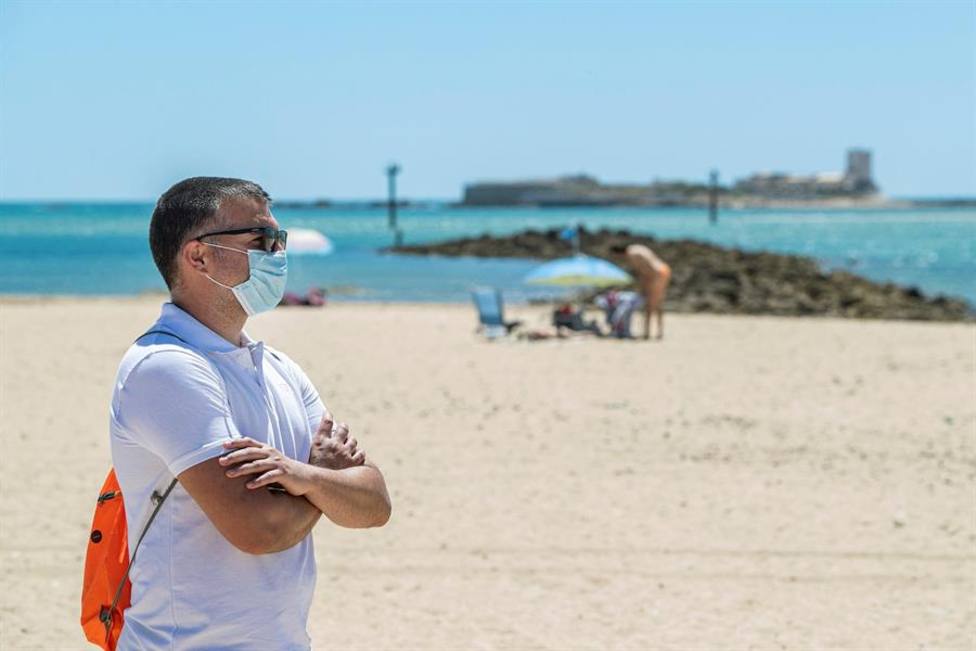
column 314, row 407
column 173, row 404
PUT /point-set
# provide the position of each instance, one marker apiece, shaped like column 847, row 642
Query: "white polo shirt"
column 175, row 402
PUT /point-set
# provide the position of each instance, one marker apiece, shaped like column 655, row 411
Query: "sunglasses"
column 269, row 236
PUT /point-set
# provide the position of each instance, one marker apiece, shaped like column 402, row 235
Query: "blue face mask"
column 265, row 286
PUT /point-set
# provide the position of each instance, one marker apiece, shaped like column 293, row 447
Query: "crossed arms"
column 338, row 481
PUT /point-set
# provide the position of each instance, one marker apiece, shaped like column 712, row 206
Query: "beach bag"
column 106, row 590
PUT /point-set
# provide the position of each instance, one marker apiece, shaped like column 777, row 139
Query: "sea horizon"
column 101, row 248
column 456, row 201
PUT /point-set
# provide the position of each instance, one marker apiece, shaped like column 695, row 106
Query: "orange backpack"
column 106, row 591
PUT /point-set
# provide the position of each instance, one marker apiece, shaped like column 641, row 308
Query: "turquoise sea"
column 102, row 248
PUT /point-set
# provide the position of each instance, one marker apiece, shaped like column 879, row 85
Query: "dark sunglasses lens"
column 268, row 237
column 283, row 239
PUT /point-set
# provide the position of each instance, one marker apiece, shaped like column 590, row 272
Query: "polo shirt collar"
column 182, row 323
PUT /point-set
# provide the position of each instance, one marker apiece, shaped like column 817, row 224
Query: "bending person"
column 653, row 276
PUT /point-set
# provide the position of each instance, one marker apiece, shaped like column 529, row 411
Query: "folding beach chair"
column 491, row 319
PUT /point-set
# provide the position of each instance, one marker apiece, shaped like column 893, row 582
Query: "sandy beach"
column 749, row 482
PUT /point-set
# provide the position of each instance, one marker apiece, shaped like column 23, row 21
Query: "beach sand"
column 746, row 483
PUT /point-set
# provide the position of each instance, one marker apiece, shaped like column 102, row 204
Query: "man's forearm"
column 290, row 520
column 353, row 497
column 255, row 521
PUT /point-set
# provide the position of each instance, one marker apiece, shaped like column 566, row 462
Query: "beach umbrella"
column 577, row 271
column 306, row 241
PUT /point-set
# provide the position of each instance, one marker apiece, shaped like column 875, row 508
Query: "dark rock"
column 709, row 278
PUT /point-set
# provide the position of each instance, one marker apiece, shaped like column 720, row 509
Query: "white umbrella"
column 306, row 241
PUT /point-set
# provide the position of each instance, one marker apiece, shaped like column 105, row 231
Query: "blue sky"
column 118, row 100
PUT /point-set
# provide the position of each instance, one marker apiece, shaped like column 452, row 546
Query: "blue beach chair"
column 491, row 315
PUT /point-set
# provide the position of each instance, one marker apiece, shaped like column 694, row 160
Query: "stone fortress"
column 853, row 186
column 854, row 181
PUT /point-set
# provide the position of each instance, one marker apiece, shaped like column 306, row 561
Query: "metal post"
column 391, row 203
column 713, row 197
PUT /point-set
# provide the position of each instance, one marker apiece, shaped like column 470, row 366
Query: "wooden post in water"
column 391, row 202
column 713, row 197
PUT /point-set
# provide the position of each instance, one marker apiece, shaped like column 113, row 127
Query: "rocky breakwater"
column 709, row 278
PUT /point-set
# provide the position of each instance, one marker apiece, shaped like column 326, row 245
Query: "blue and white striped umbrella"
column 578, row 271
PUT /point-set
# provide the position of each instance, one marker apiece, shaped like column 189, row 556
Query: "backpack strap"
column 158, row 499
column 162, row 332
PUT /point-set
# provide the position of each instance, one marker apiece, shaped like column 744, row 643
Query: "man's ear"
column 196, row 255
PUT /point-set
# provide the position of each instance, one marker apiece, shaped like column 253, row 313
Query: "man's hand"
column 333, row 448
column 351, row 493
column 250, row 457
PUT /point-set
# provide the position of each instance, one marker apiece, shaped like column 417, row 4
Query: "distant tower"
column 858, row 175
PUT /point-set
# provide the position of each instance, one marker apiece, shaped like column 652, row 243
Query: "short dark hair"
column 186, row 207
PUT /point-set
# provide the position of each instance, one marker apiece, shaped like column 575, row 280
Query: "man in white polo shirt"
column 228, row 562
